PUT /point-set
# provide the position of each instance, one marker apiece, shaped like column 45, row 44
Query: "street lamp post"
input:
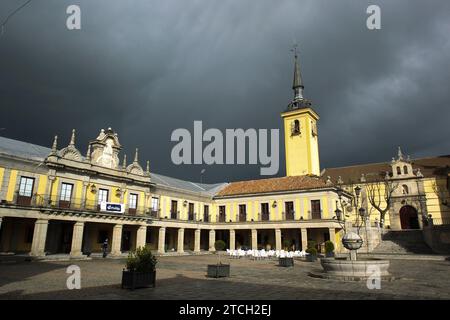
column 351, row 240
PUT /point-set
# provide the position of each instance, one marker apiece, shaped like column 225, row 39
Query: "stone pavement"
column 183, row 277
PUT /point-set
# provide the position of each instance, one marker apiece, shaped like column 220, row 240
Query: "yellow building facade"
column 58, row 200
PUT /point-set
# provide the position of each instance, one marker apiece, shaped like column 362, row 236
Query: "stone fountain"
column 353, row 269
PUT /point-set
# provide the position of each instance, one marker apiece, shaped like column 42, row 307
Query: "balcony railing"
column 174, row 214
column 289, row 215
column 242, row 217
column 42, row 201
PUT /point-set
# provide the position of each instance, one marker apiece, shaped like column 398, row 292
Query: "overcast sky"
column 147, row 67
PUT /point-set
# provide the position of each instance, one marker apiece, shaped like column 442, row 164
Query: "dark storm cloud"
column 146, row 68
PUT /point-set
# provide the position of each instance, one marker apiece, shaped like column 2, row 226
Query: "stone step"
column 403, row 242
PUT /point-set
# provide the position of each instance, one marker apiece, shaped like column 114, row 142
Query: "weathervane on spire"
column 294, row 48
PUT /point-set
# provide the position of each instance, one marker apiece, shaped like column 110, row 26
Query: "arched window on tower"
column 405, row 170
column 405, row 189
column 399, row 171
column 295, row 127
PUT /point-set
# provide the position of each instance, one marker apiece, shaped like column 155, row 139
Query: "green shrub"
column 286, row 244
column 312, row 251
column 312, row 244
column 329, row 246
column 220, row 245
column 141, row 260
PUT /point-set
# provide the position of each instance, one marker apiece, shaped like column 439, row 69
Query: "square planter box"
column 286, row 262
column 133, row 280
column 218, row 270
column 311, row 258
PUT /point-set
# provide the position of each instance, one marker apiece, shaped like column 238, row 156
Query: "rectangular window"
column 222, row 214
column 174, row 209
column 26, row 187
column 155, row 203
column 264, row 211
column 66, row 195
column 132, row 205
column 316, row 212
column 242, row 213
column 103, row 195
column 289, row 210
column 191, row 212
column 133, row 201
column 66, row 192
column 25, row 191
column 206, row 213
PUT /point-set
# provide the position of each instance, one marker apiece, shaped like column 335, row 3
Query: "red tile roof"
column 272, row 185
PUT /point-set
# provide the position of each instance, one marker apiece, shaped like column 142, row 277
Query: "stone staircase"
column 402, row 242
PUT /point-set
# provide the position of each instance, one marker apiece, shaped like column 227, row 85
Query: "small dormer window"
column 295, row 127
column 399, row 171
column 405, row 189
column 405, row 170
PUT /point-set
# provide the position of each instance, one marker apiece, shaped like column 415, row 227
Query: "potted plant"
column 286, row 244
column 312, row 254
column 140, row 271
column 329, row 249
column 218, row 270
column 286, row 262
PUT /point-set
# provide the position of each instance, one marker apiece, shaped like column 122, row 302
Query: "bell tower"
column 300, row 131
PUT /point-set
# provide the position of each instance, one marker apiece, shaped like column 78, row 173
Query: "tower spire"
column 72, row 138
column 400, row 154
column 55, row 145
column 297, row 84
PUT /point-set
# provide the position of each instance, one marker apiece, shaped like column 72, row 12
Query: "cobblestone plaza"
column 183, row 277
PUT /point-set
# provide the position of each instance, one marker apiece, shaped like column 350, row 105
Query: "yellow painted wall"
column 78, row 193
column 11, row 185
column 113, row 195
column 325, row 211
column 2, row 171
column 54, row 191
column 435, row 207
column 305, row 209
column 302, row 151
column 41, row 189
column 90, row 198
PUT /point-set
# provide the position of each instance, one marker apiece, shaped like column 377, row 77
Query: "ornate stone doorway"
column 409, row 218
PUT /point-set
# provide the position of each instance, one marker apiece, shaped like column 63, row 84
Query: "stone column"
column 212, row 240
column 116, row 240
column 141, row 236
column 162, row 240
column 232, row 239
column 254, row 239
column 39, row 237
column 304, row 235
column 197, row 240
column 180, row 247
column 77, row 239
column 277, row 239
